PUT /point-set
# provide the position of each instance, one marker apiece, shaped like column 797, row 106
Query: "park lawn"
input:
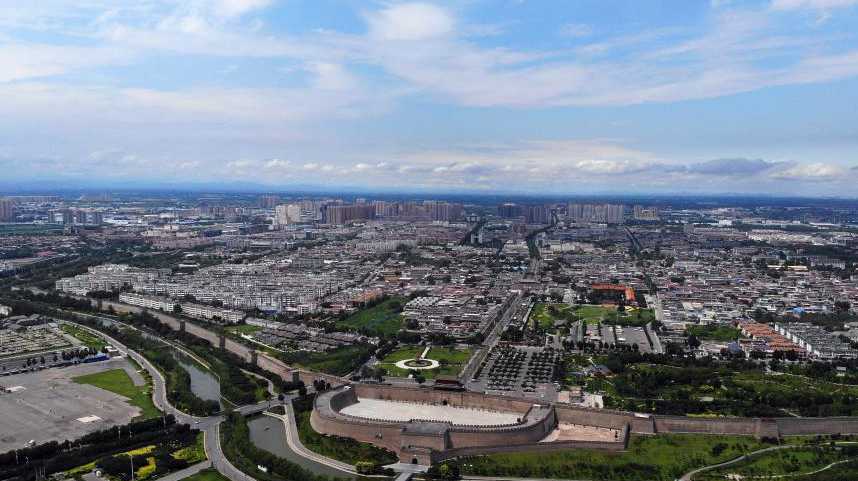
column 194, row 453
column 631, row 316
column 648, row 458
column 339, row 362
column 543, row 316
column 209, row 474
column 452, row 360
column 714, row 332
column 87, row 338
column 407, row 352
column 382, row 320
column 88, row 467
column 145, row 471
column 593, row 314
column 243, row 329
column 794, row 462
column 342, row 449
column 118, row 382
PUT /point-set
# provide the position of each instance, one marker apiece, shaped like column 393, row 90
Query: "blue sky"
column 508, row 95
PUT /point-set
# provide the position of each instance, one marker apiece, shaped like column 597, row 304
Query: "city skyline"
column 479, row 97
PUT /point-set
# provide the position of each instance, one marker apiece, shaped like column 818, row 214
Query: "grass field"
column 243, row 329
column 118, row 382
column 193, row 453
column 544, row 315
column 793, row 462
column 339, row 361
column 88, row 467
column 649, row 458
column 87, row 338
column 452, row 360
column 207, row 475
column 381, row 320
column 713, row 332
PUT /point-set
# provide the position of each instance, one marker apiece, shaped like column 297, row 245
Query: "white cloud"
column 410, row 21
column 331, row 76
column 576, row 30
column 27, row 61
column 813, row 172
column 234, row 8
column 812, row 4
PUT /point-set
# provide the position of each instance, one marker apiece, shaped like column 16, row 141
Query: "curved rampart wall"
column 537, row 421
column 453, row 398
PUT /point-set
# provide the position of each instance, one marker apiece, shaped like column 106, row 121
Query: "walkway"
column 294, row 442
column 691, row 474
column 210, row 426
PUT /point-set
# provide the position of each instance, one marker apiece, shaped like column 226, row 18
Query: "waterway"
column 269, row 433
column 204, row 384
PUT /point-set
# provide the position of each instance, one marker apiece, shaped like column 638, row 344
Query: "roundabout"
column 419, row 363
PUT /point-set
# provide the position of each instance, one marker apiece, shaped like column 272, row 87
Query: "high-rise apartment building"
column 537, row 214
column 343, row 214
column 645, row 213
column 285, row 214
column 607, row 213
column 509, row 211
column 7, row 210
column 268, row 201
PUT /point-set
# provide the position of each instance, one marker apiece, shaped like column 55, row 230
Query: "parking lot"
column 47, row 404
column 626, row 335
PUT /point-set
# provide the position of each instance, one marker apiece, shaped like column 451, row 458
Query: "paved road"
column 294, row 442
column 210, row 426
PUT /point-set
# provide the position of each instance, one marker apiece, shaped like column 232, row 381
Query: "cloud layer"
column 211, row 89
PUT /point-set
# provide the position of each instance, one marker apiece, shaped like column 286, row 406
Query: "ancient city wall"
column 603, row 418
column 383, row 434
column 532, row 431
column 682, row 424
column 433, row 396
column 812, row 426
column 264, row 361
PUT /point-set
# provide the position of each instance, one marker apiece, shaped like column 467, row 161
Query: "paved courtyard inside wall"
column 403, row 411
column 48, row 405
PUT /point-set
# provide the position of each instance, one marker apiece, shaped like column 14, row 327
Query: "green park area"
column 544, row 316
column 118, row 382
column 88, row 339
column 148, row 457
column 714, row 332
column 698, row 387
column 381, row 320
column 451, row 360
column 793, row 462
column 243, row 329
column 664, row 457
column 339, row 362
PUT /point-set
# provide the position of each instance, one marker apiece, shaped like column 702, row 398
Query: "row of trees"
column 54, row 457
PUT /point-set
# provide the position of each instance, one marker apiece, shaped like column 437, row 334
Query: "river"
column 268, row 433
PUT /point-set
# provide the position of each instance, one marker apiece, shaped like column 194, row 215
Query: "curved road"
column 210, row 426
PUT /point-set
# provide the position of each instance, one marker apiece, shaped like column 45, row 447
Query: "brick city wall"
column 433, row 396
